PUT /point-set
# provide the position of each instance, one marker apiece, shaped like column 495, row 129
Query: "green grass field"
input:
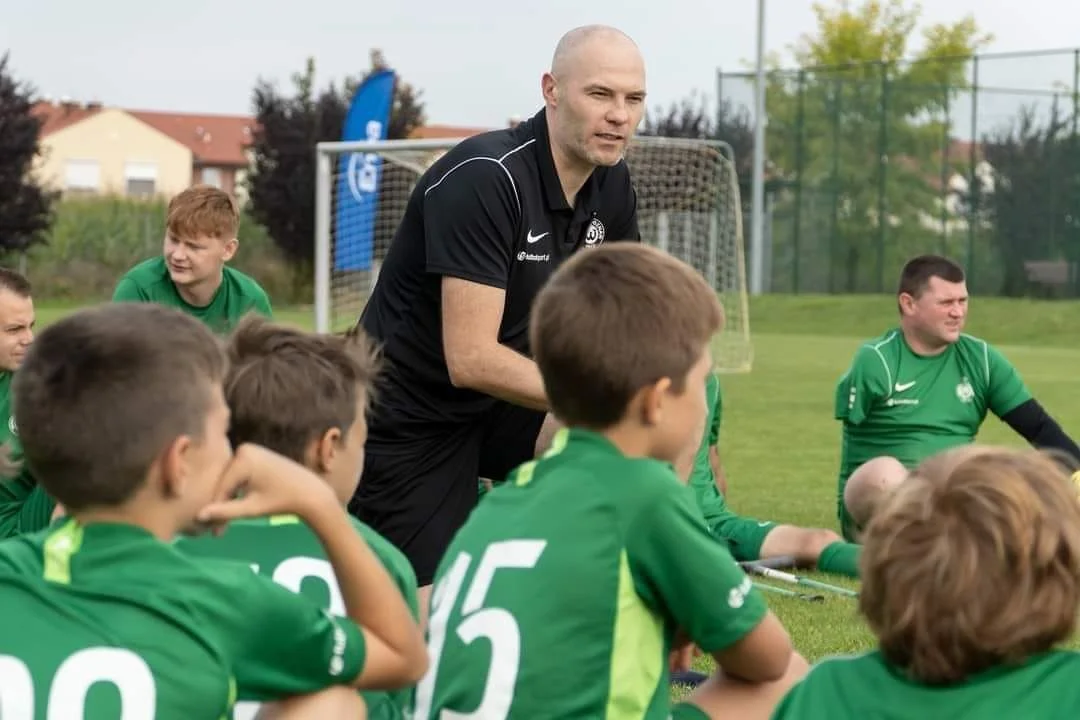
column 780, row 445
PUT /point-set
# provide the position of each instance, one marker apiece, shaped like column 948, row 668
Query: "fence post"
column 883, row 161
column 945, row 173
column 838, row 94
column 1076, row 156
column 974, row 196
column 800, row 121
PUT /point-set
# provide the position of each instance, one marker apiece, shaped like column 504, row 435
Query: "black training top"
column 491, row 210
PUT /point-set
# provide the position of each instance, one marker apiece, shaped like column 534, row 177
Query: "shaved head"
column 595, row 97
column 571, row 50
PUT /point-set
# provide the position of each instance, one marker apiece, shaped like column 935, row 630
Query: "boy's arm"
column 395, row 652
column 678, row 566
column 262, row 305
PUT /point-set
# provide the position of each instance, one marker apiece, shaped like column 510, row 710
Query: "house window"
column 82, row 176
column 211, row 176
column 140, row 179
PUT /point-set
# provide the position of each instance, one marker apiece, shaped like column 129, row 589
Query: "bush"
column 95, row 240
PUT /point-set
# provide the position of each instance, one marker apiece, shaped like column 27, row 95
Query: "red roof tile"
column 213, row 139
column 59, row 115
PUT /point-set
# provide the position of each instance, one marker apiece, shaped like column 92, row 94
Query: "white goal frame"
column 327, row 154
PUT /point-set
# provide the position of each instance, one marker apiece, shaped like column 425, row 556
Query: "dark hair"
column 614, row 319
column 15, row 282
column 286, row 387
column 918, row 270
column 104, row 391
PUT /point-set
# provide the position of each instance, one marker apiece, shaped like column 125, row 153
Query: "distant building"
column 89, row 148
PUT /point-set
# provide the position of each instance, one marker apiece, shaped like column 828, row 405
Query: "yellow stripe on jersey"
column 59, row 547
column 637, row 651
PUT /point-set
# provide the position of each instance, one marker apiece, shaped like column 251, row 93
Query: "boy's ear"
column 173, row 467
column 229, row 251
column 652, row 401
column 325, row 450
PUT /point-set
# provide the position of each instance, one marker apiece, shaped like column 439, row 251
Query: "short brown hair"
column 614, row 319
column 104, row 391
column 203, row 211
column 973, row 562
column 14, row 282
column 287, row 387
column 915, row 276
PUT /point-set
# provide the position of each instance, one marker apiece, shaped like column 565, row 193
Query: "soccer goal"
column 688, row 205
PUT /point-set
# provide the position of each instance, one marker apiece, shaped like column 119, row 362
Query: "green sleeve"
column 281, row 642
column 717, row 399
column 25, row 507
column 127, row 291
column 1006, row 389
column 702, row 480
column 262, row 304
column 865, row 382
column 680, row 569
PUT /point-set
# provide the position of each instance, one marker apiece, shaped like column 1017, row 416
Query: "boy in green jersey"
column 191, row 273
column 574, row 583
column 750, row 538
column 971, row 580
column 305, row 396
column 924, row 387
column 123, row 420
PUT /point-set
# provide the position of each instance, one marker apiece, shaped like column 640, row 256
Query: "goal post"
column 688, row 198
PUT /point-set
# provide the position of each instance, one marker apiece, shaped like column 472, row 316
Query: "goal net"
column 688, row 205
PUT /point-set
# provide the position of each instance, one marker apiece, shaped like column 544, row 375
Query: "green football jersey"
column 277, row 643
column 561, row 594
column 702, row 480
column 865, row 686
column 70, row 652
column 286, row 550
column 24, row 505
column 892, row 401
column 238, row 295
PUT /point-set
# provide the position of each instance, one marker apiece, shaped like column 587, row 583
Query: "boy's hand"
column 683, row 652
column 259, row 482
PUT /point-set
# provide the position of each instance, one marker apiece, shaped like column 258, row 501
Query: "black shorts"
column 418, row 487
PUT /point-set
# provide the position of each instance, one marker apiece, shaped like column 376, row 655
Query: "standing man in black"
column 484, row 228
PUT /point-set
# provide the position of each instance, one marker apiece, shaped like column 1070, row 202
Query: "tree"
column 1033, row 203
column 860, row 131
column 281, row 185
column 689, row 118
column 26, row 208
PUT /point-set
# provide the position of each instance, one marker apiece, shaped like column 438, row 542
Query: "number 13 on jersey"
column 476, row 620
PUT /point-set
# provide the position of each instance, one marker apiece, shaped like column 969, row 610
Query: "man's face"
column 16, row 329
column 940, row 312
column 598, row 102
column 196, row 260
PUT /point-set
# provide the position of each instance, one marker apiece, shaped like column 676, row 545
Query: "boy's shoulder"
column 244, row 284
column 147, row 273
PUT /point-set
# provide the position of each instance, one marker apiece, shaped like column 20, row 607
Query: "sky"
column 477, row 62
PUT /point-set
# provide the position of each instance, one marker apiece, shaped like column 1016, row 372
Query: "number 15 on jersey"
column 476, row 619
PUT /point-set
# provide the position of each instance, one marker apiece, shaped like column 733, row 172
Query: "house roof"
column 445, row 131
column 59, row 115
column 213, row 139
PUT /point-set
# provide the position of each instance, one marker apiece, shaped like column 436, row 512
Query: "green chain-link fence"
column 868, row 165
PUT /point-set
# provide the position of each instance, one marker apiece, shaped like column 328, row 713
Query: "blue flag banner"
column 358, row 173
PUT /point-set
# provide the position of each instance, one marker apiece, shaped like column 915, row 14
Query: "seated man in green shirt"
column 971, row 583
column 305, row 396
column 23, row 505
column 925, row 386
column 191, row 274
column 123, row 420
